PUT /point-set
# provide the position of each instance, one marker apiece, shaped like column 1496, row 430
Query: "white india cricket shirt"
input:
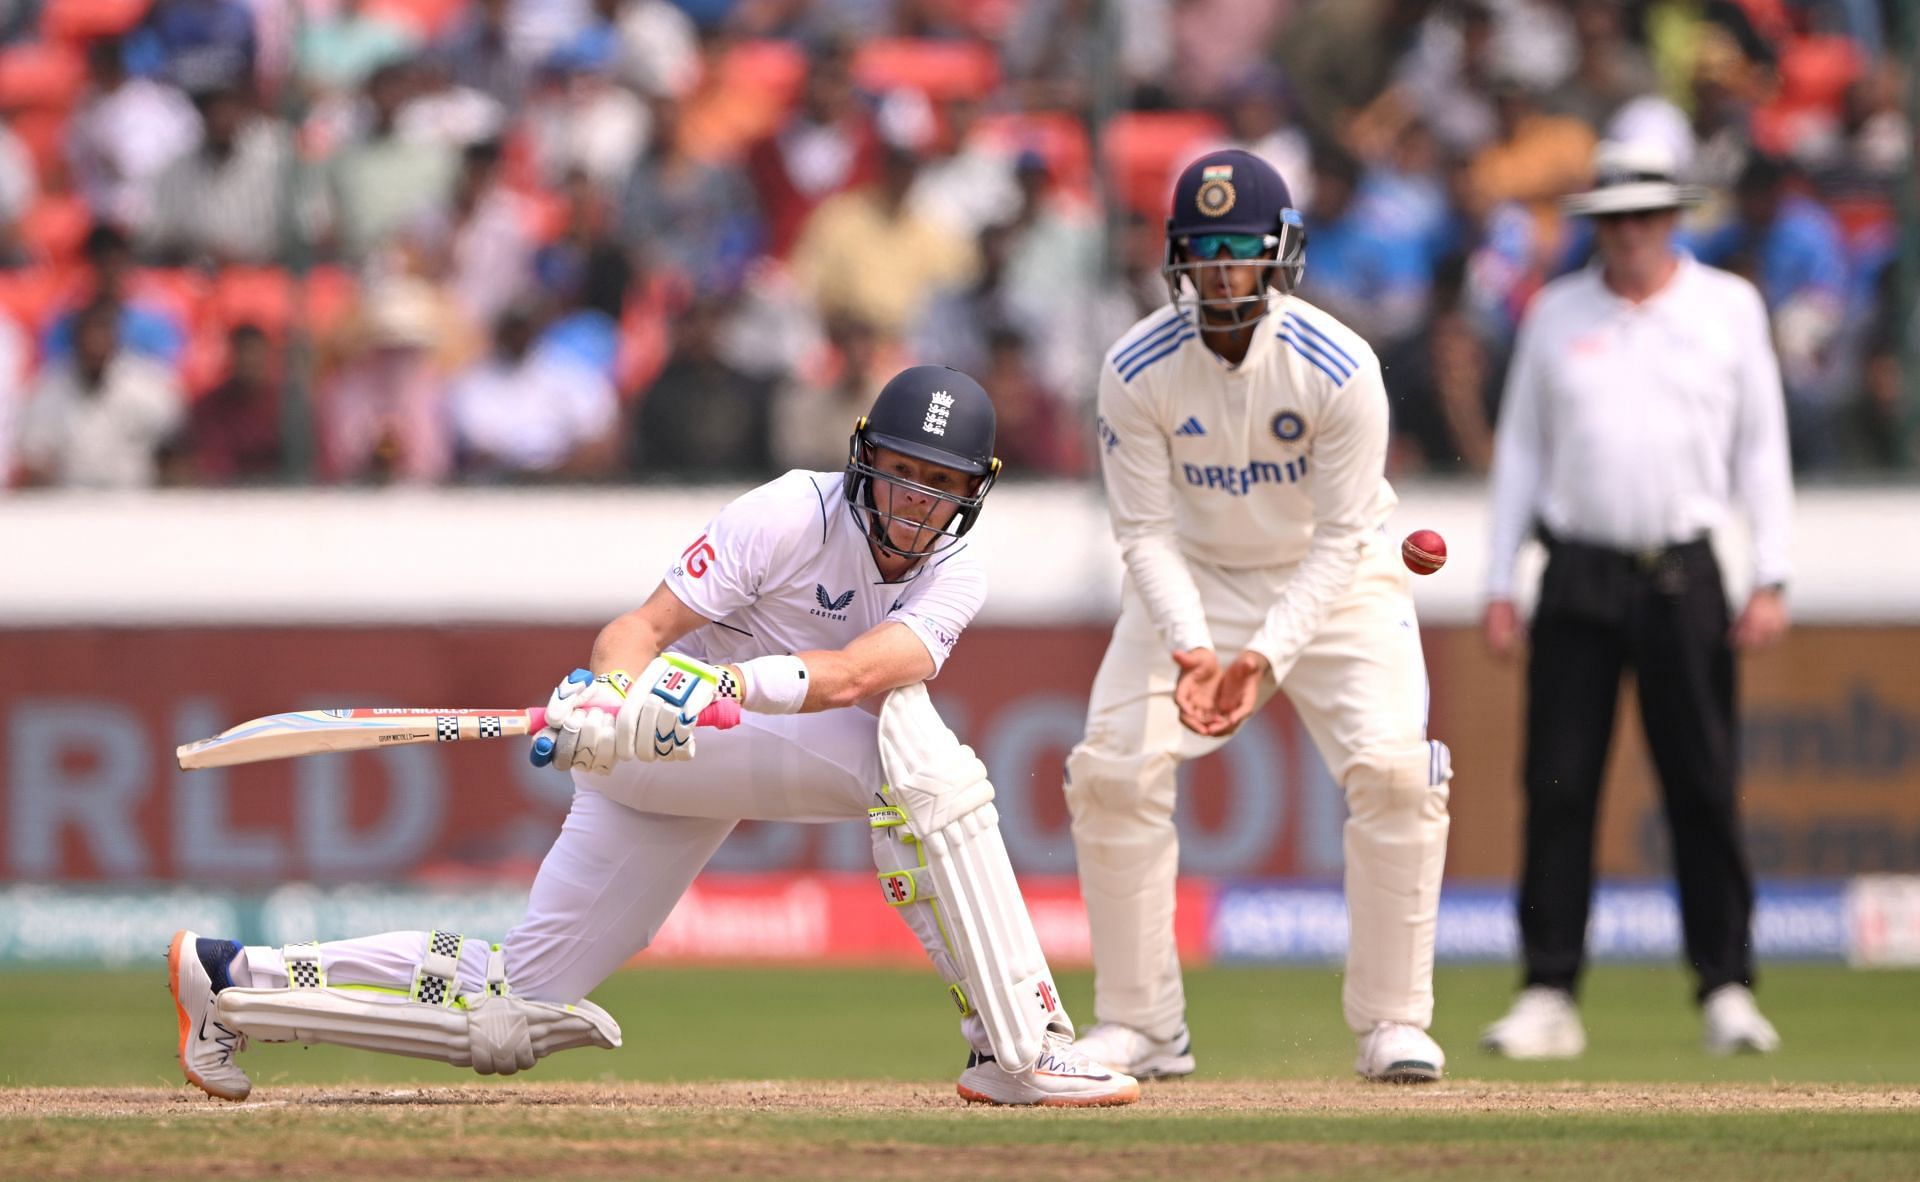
column 1275, row 461
column 786, row 568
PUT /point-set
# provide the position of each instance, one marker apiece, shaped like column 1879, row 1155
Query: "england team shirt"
column 1276, row 461
column 1634, row 426
column 786, row 568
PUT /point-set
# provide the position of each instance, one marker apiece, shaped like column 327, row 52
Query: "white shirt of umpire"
column 1635, row 425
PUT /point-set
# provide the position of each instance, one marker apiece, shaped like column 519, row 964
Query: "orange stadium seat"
column 81, row 20
column 427, row 17
column 1816, row 71
column 331, row 295
column 260, row 296
column 1144, row 150
column 44, row 135
column 939, row 69
column 28, row 295
column 748, row 92
column 56, row 225
column 41, row 75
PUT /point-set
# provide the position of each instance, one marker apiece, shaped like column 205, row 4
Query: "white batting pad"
column 942, row 788
column 491, row 1034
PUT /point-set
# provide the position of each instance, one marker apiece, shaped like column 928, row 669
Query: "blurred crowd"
column 431, row 241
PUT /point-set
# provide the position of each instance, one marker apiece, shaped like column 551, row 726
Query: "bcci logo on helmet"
column 1216, row 196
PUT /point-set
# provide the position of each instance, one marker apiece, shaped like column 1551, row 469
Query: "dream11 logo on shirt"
column 696, row 558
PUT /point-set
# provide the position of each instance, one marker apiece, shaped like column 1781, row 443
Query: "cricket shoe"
column 1395, row 1052
column 1062, row 1077
column 1543, row 1024
column 1736, row 1025
column 1138, row 1053
column 196, row 971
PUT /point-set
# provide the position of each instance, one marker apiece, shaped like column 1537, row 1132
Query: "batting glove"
column 583, row 720
column 669, row 696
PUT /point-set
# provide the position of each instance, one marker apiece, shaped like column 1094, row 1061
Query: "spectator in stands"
column 1790, row 247
column 1341, row 55
column 527, row 414
column 689, row 215
column 145, row 326
column 585, row 275
column 1535, row 158
column 1610, row 69
column 703, row 420
column 442, row 111
column 814, row 411
column 1444, row 381
column 954, row 327
column 865, row 252
column 1053, row 55
column 99, row 418
column 1366, row 276
column 1054, row 279
column 1445, row 76
column 196, row 44
column 1260, row 117
column 582, row 119
column 825, row 146
column 225, row 202
column 479, row 243
column 477, row 48
column 19, row 186
column 345, row 50
column 1885, row 427
column 967, row 181
column 126, row 130
column 656, row 46
column 234, row 433
column 382, row 412
column 1037, row 438
column 383, row 182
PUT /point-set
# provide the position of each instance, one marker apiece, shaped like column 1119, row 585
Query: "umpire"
column 1643, row 399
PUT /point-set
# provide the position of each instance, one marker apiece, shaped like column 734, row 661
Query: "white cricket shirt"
column 1278, row 460
column 1635, row 425
column 786, row 568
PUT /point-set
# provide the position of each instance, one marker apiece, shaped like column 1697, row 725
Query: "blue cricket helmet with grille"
column 1222, row 203
column 933, row 413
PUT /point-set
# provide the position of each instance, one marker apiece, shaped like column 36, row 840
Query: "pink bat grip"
column 722, row 715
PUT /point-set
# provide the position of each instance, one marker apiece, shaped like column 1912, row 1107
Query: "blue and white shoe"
column 1061, row 1077
column 196, row 972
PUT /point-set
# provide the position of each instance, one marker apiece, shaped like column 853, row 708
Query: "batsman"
column 1243, row 439
column 802, row 599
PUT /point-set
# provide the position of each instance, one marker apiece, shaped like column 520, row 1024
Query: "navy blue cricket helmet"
column 1230, row 208
column 933, row 413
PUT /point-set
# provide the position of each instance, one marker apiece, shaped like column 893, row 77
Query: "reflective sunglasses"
column 1207, row 247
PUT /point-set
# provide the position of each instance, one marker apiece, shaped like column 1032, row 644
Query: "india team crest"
column 1216, row 195
column 1288, row 426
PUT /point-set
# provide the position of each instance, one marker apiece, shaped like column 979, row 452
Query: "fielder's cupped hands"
column 1238, row 694
column 1196, row 689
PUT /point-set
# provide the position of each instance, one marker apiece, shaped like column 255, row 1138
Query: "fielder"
column 804, row 597
column 1243, row 437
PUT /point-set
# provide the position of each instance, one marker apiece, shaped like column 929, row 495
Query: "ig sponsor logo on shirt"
column 695, row 558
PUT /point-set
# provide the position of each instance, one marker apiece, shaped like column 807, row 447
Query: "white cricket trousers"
column 631, row 845
column 1360, row 688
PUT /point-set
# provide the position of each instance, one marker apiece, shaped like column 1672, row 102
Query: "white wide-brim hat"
column 1632, row 178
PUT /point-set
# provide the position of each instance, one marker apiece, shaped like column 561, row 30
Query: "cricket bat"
column 311, row 732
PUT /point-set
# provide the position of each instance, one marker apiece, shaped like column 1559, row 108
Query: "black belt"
column 1647, row 560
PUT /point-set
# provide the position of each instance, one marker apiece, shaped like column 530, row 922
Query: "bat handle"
column 722, row 715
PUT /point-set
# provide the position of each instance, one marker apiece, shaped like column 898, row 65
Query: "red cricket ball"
column 1424, row 551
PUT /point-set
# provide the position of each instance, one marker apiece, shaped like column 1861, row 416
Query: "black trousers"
column 1664, row 615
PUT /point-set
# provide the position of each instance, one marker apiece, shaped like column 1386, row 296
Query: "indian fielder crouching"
column 802, row 599
column 1243, row 438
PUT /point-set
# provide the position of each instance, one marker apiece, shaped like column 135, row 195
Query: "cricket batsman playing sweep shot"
column 1243, row 438
column 801, row 599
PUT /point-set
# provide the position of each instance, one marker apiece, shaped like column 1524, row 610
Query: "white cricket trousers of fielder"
column 1360, row 688
column 631, row 845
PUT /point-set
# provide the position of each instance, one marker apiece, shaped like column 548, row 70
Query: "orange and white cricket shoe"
column 1061, row 1077
column 207, row 1047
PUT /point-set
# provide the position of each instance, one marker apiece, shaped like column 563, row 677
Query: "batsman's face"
column 916, row 517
